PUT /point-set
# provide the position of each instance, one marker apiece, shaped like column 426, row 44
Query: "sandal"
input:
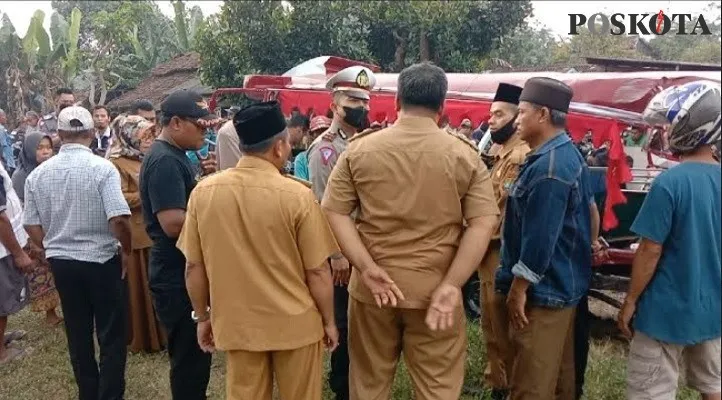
column 12, row 353
column 14, row 336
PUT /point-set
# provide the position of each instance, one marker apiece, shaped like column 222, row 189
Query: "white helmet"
column 692, row 112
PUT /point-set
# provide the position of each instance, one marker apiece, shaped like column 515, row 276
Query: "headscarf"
column 128, row 133
column 27, row 161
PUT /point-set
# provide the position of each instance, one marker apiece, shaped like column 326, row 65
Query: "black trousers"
column 190, row 367
column 338, row 376
column 92, row 293
column 581, row 344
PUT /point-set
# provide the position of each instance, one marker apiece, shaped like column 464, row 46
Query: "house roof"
column 623, row 64
column 179, row 73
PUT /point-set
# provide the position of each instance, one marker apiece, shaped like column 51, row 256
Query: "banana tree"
column 65, row 38
column 186, row 25
column 14, row 87
column 35, row 65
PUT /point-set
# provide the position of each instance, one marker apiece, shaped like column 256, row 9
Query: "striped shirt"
column 72, row 196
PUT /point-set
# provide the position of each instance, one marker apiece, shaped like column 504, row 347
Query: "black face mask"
column 355, row 117
column 503, row 134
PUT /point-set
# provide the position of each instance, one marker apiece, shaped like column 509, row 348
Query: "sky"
column 551, row 14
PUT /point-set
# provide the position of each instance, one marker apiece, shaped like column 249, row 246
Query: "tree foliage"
column 692, row 48
column 525, row 47
column 573, row 51
column 34, row 64
column 123, row 40
column 271, row 37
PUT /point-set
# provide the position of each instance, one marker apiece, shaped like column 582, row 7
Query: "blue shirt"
column 681, row 304
column 193, row 157
column 546, row 236
column 7, row 149
column 300, row 167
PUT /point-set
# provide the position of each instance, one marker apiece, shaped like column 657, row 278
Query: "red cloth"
column 383, row 107
column 618, row 173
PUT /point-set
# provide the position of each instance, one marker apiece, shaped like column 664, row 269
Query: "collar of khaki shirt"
column 507, row 147
column 253, row 162
column 416, row 124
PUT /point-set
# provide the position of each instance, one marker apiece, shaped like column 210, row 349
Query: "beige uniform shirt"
column 228, row 150
column 509, row 158
column 414, row 185
column 322, row 157
column 258, row 232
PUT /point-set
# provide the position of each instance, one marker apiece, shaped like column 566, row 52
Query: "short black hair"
column 165, row 119
column 64, row 90
column 142, row 104
column 423, row 85
column 99, row 107
column 299, row 120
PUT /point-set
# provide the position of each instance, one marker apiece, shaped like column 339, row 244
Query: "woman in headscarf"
column 132, row 137
column 37, row 148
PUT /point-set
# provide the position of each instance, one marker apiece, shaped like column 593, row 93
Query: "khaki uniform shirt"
column 414, row 185
column 508, row 160
column 322, row 157
column 228, row 150
column 257, row 232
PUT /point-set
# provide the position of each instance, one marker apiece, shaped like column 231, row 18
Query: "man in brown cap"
column 273, row 312
column 415, row 187
column 546, row 259
column 509, row 155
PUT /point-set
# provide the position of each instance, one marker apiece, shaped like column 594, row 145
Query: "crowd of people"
column 272, row 239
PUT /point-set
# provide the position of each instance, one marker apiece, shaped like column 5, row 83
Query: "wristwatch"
column 201, row 318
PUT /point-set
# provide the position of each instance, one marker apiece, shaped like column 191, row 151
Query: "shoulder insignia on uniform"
column 299, row 180
column 48, row 116
column 363, row 133
column 464, row 139
column 327, row 153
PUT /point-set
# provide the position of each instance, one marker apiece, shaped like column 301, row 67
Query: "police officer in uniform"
column 64, row 97
column 509, row 154
column 351, row 94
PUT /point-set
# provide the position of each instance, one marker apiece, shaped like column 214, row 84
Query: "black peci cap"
column 259, row 122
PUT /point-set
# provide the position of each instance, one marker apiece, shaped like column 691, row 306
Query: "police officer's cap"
column 356, row 81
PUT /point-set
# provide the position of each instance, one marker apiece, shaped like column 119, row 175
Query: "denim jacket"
column 547, row 230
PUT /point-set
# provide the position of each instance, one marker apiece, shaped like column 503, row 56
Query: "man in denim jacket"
column 546, row 241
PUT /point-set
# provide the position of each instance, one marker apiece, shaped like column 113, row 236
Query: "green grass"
column 45, row 374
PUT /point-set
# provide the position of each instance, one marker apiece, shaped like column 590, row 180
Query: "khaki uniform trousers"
column 378, row 336
column 541, row 357
column 495, row 372
column 298, row 372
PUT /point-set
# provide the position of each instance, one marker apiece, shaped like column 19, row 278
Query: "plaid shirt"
column 72, row 196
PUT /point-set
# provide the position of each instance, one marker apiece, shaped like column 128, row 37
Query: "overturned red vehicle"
column 604, row 105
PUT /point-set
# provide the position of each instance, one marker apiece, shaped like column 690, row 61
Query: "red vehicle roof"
column 627, row 91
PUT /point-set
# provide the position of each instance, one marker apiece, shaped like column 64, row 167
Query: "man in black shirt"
column 166, row 181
